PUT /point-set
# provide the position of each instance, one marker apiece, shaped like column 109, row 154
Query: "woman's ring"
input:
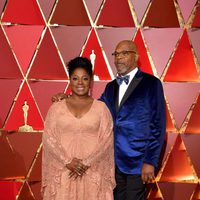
column 78, row 168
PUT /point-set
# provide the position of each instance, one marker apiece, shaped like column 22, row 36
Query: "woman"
column 78, row 143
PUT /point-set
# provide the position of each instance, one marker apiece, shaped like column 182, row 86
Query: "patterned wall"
column 38, row 37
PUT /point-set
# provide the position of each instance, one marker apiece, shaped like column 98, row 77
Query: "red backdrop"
column 38, row 37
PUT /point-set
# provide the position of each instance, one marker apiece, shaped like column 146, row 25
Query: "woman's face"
column 80, row 82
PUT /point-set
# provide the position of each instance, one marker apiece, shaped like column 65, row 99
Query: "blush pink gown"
column 89, row 138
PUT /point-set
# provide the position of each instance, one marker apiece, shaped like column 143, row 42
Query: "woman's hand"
column 76, row 168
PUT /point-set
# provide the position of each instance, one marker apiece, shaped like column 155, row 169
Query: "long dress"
column 89, row 138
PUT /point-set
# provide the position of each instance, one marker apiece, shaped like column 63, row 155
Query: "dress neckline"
column 88, row 111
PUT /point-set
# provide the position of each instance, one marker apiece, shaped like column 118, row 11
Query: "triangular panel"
column 23, row 12
column 110, row 37
column 161, row 43
column 48, row 88
column 143, row 61
column 33, row 117
column 162, row 14
column 154, row 193
column 8, row 91
column 171, row 138
column 182, row 69
column 36, row 171
column 196, row 22
column 9, row 189
column 186, row 8
column 47, row 7
column 68, row 90
column 181, row 97
column 36, row 190
column 98, row 88
column 70, row 13
column 140, row 7
column 47, row 63
column 173, row 170
column 92, row 47
column 93, row 7
column 196, row 195
column 24, row 41
column 177, row 191
column 2, row 4
column 195, row 41
column 110, row 16
column 25, row 146
column 25, row 193
column 169, row 124
column 69, row 40
column 9, row 67
column 193, row 125
column 8, row 159
column 192, row 144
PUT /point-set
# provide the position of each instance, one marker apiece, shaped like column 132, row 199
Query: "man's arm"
column 58, row 97
column 157, row 132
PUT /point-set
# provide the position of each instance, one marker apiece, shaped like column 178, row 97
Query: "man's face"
column 125, row 58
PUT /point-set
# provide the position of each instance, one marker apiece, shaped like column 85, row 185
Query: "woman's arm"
column 51, row 138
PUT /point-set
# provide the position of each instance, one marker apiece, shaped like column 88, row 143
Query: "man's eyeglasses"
column 122, row 53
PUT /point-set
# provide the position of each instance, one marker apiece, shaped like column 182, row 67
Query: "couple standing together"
column 81, row 133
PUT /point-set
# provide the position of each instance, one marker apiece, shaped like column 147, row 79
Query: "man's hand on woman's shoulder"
column 58, row 97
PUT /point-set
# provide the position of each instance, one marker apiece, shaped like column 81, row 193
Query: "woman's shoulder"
column 101, row 105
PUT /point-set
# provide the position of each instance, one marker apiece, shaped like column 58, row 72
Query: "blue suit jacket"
column 139, row 122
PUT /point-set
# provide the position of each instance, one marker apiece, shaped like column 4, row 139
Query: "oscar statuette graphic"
column 92, row 59
column 25, row 127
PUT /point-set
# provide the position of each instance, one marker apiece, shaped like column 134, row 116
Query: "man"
column 137, row 104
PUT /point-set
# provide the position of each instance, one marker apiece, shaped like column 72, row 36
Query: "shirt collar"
column 132, row 73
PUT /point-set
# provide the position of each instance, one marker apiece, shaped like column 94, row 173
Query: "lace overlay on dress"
column 90, row 139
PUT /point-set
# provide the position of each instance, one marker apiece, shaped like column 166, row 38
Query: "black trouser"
column 129, row 186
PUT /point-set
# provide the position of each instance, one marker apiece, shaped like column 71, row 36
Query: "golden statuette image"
column 92, row 59
column 25, row 127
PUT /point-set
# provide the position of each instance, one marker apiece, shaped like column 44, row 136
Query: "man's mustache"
column 121, row 63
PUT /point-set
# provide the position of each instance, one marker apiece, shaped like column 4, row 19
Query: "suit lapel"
column 134, row 83
column 116, row 96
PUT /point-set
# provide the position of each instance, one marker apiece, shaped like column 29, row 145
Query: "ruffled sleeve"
column 54, row 159
column 51, row 138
